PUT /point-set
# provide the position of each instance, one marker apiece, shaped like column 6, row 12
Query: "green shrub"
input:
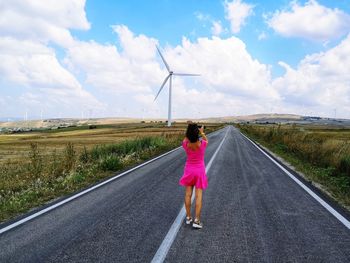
column 344, row 165
column 126, row 147
column 56, row 166
column 110, row 163
column 69, row 157
column 84, row 156
column 281, row 147
column 36, row 164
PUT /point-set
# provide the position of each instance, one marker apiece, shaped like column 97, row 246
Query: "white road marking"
column 307, row 189
column 43, row 211
column 174, row 229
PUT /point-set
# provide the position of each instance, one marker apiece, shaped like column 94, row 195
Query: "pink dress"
column 194, row 172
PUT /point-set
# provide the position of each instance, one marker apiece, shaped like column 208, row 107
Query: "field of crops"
column 322, row 153
column 36, row 167
column 17, row 146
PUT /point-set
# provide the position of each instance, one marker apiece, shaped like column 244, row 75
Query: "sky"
column 76, row 58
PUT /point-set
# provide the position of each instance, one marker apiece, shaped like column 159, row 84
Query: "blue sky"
column 77, row 58
column 169, row 21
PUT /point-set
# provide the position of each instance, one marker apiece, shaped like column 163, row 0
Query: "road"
column 252, row 212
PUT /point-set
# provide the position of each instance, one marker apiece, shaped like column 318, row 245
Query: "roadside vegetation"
column 45, row 166
column 321, row 153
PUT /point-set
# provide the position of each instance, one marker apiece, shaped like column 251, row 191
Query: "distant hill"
column 11, row 119
column 257, row 118
column 56, row 122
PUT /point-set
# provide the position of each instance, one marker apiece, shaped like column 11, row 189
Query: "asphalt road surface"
column 252, row 212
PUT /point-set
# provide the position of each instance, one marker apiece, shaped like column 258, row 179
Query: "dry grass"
column 36, row 167
column 16, row 146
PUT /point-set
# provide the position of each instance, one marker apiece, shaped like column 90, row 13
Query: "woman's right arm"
column 201, row 132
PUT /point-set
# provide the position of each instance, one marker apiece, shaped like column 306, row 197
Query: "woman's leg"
column 198, row 203
column 188, row 196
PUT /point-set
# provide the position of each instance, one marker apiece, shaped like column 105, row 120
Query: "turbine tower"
column 169, row 77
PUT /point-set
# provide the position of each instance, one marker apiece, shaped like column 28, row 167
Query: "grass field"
column 322, row 153
column 16, row 146
column 36, row 167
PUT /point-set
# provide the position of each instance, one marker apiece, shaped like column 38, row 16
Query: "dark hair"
column 192, row 132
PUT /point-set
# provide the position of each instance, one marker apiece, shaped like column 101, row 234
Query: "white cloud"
column 262, row 36
column 35, row 66
column 237, row 12
column 202, row 17
column 132, row 69
column 135, row 47
column 30, row 63
column 30, row 66
column 197, row 102
column 230, row 78
column 127, row 76
column 43, row 20
column 228, row 71
column 321, row 80
column 225, row 65
column 217, row 28
column 312, row 21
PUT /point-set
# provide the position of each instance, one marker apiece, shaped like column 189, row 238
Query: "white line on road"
column 45, row 210
column 174, row 229
column 307, row 189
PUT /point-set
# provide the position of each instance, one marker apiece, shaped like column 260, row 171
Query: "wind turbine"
column 169, row 77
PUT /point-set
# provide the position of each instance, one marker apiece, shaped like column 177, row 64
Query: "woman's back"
column 195, row 157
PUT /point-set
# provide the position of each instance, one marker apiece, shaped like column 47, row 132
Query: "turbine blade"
column 185, row 74
column 161, row 87
column 165, row 63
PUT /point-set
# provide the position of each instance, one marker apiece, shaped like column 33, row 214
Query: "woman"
column 194, row 172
